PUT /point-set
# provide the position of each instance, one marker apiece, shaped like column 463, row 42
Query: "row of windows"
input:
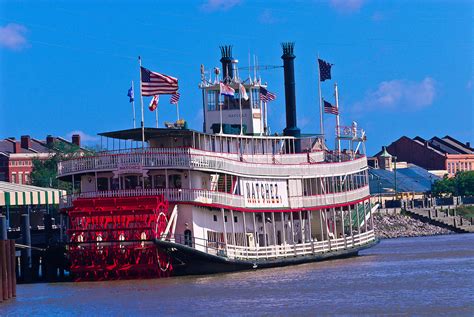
column 20, row 178
column 215, row 99
column 20, row 163
column 134, row 182
column 454, row 167
column 225, row 218
column 334, row 184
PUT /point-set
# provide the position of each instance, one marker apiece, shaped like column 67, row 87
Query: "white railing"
column 301, row 249
column 262, row 165
column 208, row 197
column 329, row 199
column 276, row 251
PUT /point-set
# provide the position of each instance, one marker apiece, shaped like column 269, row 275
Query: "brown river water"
column 405, row 276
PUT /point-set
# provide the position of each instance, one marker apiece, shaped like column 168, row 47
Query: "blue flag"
column 130, row 94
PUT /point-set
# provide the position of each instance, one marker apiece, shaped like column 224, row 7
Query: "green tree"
column 45, row 172
column 460, row 185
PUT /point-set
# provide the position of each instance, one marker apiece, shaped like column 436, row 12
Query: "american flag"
column 266, row 96
column 328, row 108
column 175, row 98
column 324, row 70
column 154, row 83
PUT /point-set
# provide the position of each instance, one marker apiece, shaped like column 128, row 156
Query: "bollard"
column 13, row 266
column 25, row 253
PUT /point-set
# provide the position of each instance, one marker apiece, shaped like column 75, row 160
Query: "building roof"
column 22, row 195
column 150, row 133
column 442, row 146
column 411, row 179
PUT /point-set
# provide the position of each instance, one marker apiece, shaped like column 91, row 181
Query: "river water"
column 405, row 276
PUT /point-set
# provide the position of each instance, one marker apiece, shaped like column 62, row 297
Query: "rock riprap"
column 395, row 226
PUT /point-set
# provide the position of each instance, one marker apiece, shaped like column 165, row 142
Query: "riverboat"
column 173, row 200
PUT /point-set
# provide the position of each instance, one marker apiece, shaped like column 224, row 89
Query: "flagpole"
column 338, row 130
column 261, row 118
column 156, row 116
column 133, row 108
column 220, row 113
column 177, row 110
column 265, row 123
column 141, row 104
column 240, row 106
column 321, row 123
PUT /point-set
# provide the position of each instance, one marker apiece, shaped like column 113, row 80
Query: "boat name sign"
column 264, row 193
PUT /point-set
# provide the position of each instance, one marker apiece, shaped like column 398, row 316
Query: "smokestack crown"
column 288, row 49
column 226, row 60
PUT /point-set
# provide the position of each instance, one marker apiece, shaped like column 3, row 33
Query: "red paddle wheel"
column 112, row 238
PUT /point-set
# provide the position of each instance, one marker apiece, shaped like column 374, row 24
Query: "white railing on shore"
column 276, row 251
column 209, row 197
column 263, row 165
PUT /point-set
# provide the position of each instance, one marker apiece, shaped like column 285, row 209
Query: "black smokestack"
column 226, row 60
column 290, row 95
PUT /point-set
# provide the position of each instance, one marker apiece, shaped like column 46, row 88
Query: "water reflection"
column 410, row 276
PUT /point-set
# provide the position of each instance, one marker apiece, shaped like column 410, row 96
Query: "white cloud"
column 399, row 95
column 378, row 16
column 267, row 17
column 12, row 36
column 219, row 5
column 347, row 6
column 85, row 138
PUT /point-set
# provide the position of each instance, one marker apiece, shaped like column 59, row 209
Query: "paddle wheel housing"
column 112, row 238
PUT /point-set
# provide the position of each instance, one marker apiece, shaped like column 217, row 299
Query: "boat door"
column 188, row 239
column 250, row 240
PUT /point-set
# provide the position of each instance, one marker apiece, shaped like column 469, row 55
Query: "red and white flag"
column 243, row 92
column 154, row 83
column 226, row 90
column 154, row 103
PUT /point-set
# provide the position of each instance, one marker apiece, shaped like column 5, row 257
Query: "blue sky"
column 402, row 67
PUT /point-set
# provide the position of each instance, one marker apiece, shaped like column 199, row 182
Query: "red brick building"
column 16, row 157
column 439, row 154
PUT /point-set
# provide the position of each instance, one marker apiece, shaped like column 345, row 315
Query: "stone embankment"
column 399, row 225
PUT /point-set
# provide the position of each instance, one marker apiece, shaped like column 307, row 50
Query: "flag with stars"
column 154, row 83
column 266, row 96
column 324, row 70
column 329, row 108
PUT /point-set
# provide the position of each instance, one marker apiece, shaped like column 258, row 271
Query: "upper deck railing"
column 277, row 165
column 215, row 198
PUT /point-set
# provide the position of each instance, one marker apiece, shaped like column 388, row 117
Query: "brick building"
column 436, row 154
column 16, row 157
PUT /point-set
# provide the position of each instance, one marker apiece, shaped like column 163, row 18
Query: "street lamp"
column 395, row 174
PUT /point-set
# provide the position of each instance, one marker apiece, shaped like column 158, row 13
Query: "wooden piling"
column 13, row 265
column 3, row 266
column 1, row 276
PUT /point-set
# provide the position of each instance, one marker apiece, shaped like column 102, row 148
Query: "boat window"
column 212, row 98
column 174, row 181
column 130, row 182
column 159, row 181
column 256, row 98
column 235, row 219
column 215, row 218
column 102, row 183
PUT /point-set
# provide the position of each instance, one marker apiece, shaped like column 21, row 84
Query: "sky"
column 402, row 67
